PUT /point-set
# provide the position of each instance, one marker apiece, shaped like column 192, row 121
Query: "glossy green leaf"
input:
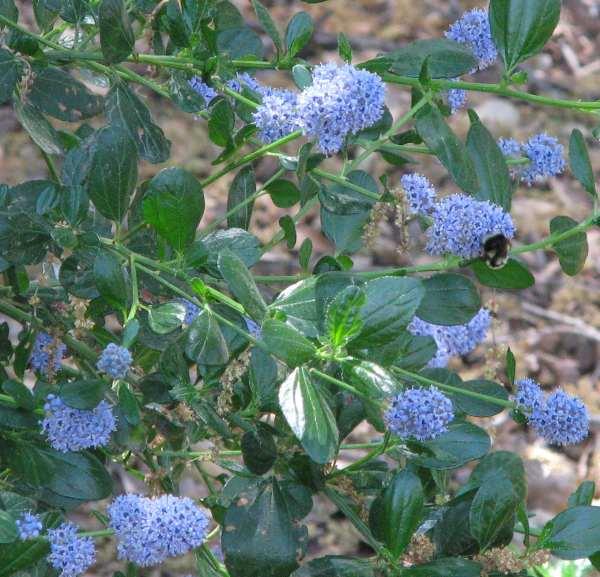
column 10, row 72
column 284, row 193
column 165, row 318
column 8, row 10
column 259, row 450
column 206, row 344
column 583, row 495
column 309, row 416
column 478, row 407
column 113, row 172
column 116, row 35
column 397, row 513
column 268, row 25
column 287, row 343
column 173, row 205
column 221, row 122
column 449, row 299
column 344, row 48
column 581, row 166
column 574, row 533
column 111, row 280
column 82, row 394
column 573, row 251
column 241, row 193
column 124, row 108
column 343, row 320
column 334, row 566
column 451, row 567
column 8, row 528
column 288, row 226
column 238, row 241
column 521, row 29
column 38, row 127
column 450, row 151
column 513, row 275
column 19, row 392
column 298, row 33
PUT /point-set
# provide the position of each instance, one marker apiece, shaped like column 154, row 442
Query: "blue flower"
column 253, row 328
column 510, row 147
column 546, row 158
column 455, row 340
column 207, row 92
column 47, row 354
column 244, row 79
column 561, row 420
column 191, row 311
column 342, row 100
column 529, row 395
column 71, row 429
column 70, row 554
column 461, row 224
column 422, row 414
column 277, row 116
column 419, row 192
column 457, row 99
column 29, row 525
column 151, row 530
column 473, row 30
column 114, row 361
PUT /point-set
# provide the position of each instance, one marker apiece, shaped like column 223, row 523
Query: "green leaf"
column 286, row 343
column 309, row 416
column 344, row 48
column 113, row 172
column 284, row 193
column 573, row 251
column 19, row 392
column 116, row 35
column 372, row 379
column 110, row 279
column 241, row 192
column 10, row 72
column 23, row 555
column 449, row 299
column 450, row 151
column 241, row 284
column 305, row 253
column 268, row 25
column 390, row 306
column 288, row 226
column 462, row 443
column 574, row 533
column 493, row 507
column 397, row 513
column 476, row 407
column 221, row 122
column 343, row 316
column 125, row 109
column 238, row 241
column 298, row 33
column 173, row 205
column 521, row 29
column 164, row 319
column 581, row 166
column 513, row 275
column 8, row 528
column 262, row 539
column 451, row 567
column 340, row 199
column 259, row 450
column 82, row 394
column 490, row 165
column 8, row 10
column 206, row 344
column 445, row 59
column 333, row 566
column 38, row 127
column 583, row 495
column 59, row 95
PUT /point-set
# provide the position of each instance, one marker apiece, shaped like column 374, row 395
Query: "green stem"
column 450, row 388
column 346, row 183
column 51, row 166
column 99, row 533
column 342, row 385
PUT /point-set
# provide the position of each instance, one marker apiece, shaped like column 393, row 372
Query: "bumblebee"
column 495, row 251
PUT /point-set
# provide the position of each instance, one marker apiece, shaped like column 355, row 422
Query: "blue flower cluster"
column 420, row 193
column 455, row 340
column 545, row 153
column 457, row 99
column 191, row 311
column 473, row 30
column 151, row 530
column 422, row 414
column 47, row 354
column 277, row 116
column 461, row 224
column 560, row 418
column 29, row 526
column 114, row 361
column 253, row 328
column 207, row 92
column 71, row 429
column 70, row 554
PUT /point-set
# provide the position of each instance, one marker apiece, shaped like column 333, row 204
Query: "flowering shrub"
column 153, row 346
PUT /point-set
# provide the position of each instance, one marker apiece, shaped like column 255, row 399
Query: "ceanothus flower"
column 114, row 361
column 70, row 429
column 457, row 99
column 47, row 354
column 461, row 224
column 191, row 311
column 29, row 526
column 473, row 30
column 253, row 328
column 342, row 100
column 422, row 414
column 70, row 554
column 529, row 395
column 207, row 92
column 510, row 147
column 451, row 341
column 562, row 419
column 151, row 530
column 546, row 158
column 244, row 79
column 277, row 115
column 419, row 193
